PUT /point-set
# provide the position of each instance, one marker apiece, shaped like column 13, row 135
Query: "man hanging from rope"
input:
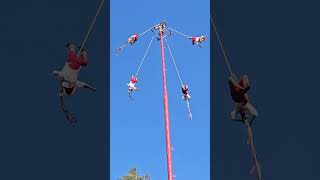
column 186, row 96
column 198, row 40
column 239, row 95
column 68, row 76
column 242, row 104
column 70, row 72
column 185, row 92
column 131, row 85
column 133, row 38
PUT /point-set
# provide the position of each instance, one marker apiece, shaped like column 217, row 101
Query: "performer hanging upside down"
column 186, row 96
column 185, row 92
column 198, row 40
column 131, row 84
column 239, row 95
column 133, row 38
column 70, row 72
column 68, row 77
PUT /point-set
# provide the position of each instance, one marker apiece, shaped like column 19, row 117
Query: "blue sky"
column 137, row 137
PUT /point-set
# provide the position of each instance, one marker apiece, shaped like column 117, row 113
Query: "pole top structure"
column 161, row 28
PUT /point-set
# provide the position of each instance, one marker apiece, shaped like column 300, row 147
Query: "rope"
column 221, row 46
column 174, row 62
column 253, row 152
column 144, row 32
column 180, row 33
column 118, row 50
column 189, row 110
column 94, row 20
column 144, row 57
column 250, row 134
column 175, row 65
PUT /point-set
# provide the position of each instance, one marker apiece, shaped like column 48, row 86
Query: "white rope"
column 189, row 110
column 221, row 46
column 189, row 37
column 144, row 32
column 253, row 151
column 181, row 82
column 144, row 57
column 175, row 65
column 118, row 50
column 94, row 20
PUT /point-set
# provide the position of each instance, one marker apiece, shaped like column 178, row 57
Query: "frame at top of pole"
column 161, row 27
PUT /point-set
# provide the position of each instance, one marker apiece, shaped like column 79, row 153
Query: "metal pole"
column 166, row 111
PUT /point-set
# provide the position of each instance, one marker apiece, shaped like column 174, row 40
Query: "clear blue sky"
column 137, row 127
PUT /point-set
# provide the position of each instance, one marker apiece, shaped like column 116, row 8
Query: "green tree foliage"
column 133, row 175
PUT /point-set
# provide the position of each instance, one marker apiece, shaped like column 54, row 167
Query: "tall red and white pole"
column 166, row 109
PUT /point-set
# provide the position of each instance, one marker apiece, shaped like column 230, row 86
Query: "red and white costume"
column 198, row 40
column 185, row 92
column 70, row 73
column 132, row 83
column 133, row 38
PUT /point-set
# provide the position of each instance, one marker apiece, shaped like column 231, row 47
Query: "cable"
column 189, row 37
column 174, row 62
column 144, row 57
column 144, row 32
column 253, row 152
column 118, row 50
column 94, row 20
column 189, row 110
column 221, row 46
column 175, row 65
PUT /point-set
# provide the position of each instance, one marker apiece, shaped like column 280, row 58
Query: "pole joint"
column 161, row 28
